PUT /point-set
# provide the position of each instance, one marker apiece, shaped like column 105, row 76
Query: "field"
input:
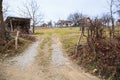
column 10, row 50
column 101, row 60
column 68, row 36
column 51, row 56
column 46, row 59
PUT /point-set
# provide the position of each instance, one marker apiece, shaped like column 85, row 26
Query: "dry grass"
column 68, row 36
column 44, row 49
column 11, row 51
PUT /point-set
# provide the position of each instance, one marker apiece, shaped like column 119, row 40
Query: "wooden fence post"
column 16, row 40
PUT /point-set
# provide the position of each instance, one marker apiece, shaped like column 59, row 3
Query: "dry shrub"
column 28, row 37
column 106, row 59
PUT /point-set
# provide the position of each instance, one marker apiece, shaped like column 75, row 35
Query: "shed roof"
column 16, row 19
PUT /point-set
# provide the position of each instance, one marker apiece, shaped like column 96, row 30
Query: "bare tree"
column 118, row 7
column 50, row 23
column 5, row 10
column 2, row 26
column 111, row 6
column 1, row 11
column 105, row 19
column 111, row 13
column 31, row 9
column 75, row 17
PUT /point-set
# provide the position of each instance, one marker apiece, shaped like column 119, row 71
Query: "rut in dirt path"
column 58, row 67
column 20, row 67
column 64, row 67
column 27, row 57
column 57, row 55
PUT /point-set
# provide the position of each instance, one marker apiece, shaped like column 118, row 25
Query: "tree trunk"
column 112, row 19
column 113, row 28
column 2, row 25
column 1, row 12
column 33, row 26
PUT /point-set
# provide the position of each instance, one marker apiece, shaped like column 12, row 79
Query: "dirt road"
column 48, row 63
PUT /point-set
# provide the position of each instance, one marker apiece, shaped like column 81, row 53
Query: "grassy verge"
column 68, row 36
column 11, row 51
column 44, row 48
column 45, row 41
column 44, row 55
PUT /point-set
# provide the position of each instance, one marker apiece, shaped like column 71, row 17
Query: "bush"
column 106, row 59
column 28, row 37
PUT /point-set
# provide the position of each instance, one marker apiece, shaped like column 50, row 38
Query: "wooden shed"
column 17, row 23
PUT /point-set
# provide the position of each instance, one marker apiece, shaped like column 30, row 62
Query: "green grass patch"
column 68, row 36
column 69, row 44
column 43, row 59
column 45, row 41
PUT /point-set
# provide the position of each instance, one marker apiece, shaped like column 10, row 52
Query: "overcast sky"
column 60, row 9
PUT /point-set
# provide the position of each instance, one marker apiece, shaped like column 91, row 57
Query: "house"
column 118, row 22
column 83, row 22
column 18, row 23
column 64, row 23
column 44, row 25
